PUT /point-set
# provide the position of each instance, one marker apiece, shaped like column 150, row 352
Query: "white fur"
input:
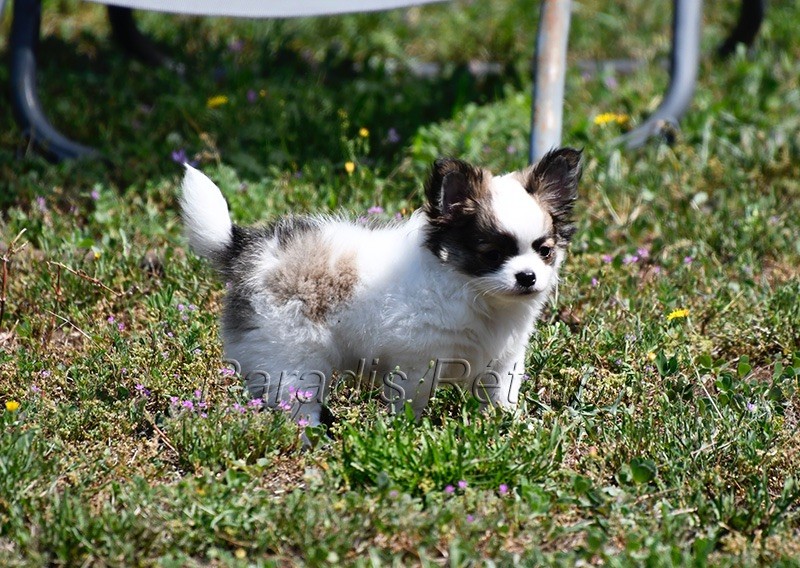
column 408, row 310
column 205, row 213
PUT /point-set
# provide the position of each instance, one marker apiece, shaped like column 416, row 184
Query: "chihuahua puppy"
column 449, row 296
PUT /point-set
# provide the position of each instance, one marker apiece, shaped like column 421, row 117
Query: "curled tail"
column 205, row 216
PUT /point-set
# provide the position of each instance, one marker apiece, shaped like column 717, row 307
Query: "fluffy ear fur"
column 452, row 188
column 554, row 182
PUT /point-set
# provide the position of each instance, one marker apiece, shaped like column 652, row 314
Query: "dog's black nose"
column 525, row 279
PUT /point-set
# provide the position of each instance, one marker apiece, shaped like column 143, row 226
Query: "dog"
column 450, row 295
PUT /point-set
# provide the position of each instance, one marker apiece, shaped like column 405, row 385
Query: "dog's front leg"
column 499, row 384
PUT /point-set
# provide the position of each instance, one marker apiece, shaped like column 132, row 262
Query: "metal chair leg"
column 135, row 44
column 750, row 17
column 683, row 76
column 28, row 110
column 549, row 72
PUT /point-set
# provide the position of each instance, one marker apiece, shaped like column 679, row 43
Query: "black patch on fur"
column 462, row 232
column 246, row 239
column 237, row 311
column 554, row 182
column 477, row 249
column 453, row 187
column 288, row 228
column 236, row 265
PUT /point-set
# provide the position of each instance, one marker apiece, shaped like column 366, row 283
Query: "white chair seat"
column 261, row 9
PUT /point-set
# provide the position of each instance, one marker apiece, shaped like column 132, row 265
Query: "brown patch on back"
column 309, row 273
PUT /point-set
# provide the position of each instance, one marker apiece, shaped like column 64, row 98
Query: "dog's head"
column 508, row 232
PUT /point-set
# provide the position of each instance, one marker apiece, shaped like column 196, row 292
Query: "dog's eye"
column 493, row 256
column 545, row 251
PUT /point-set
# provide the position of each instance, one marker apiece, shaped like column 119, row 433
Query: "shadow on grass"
column 284, row 108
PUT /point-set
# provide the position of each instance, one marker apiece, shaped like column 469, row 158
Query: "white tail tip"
column 205, row 214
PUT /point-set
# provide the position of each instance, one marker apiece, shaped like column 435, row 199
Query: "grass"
column 660, row 423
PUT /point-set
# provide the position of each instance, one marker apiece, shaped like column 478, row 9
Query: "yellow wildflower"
column 606, row 117
column 349, row 167
column 675, row 314
column 217, row 101
column 12, row 405
column 651, row 356
column 363, row 132
column 240, row 553
column 262, row 93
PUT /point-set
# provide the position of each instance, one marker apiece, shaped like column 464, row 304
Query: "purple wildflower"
column 611, row 82
column 511, row 149
column 375, row 210
column 449, row 489
column 35, row 389
column 173, row 401
column 595, row 282
column 305, row 396
column 41, row 204
column 255, row 403
column 393, row 137
column 630, row 259
column 192, row 307
column 198, row 394
column 607, row 258
column 110, row 319
column 181, row 307
column 503, row 489
column 462, row 484
column 121, row 326
column 95, row 195
column 227, row 372
column 751, row 407
column 44, row 373
column 235, row 46
column 643, row 252
column 179, row 156
column 252, row 96
column 170, row 334
column 303, row 422
column 187, row 404
column 239, row 408
column 688, row 259
column 285, row 405
column 470, row 519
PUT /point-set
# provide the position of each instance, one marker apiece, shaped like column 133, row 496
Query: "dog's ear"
column 554, row 181
column 452, row 188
